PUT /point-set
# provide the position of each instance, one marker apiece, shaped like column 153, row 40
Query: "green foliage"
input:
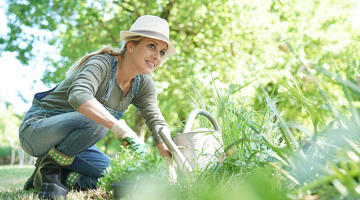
column 9, row 125
column 258, row 185
column 5, row 151
column 282, row 77
column 129, row 166
column 243, row 133
column 228, row 42
column 328, row 165
column 325, row 165
column 83, row 27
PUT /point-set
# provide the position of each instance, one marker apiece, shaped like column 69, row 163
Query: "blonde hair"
column 105, row 50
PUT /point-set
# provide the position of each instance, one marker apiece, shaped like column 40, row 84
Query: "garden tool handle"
column 179, row 158
column 196, row 112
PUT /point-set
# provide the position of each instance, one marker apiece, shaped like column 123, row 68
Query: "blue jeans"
column 73, row 134
column 90, row 164
column 70, row 132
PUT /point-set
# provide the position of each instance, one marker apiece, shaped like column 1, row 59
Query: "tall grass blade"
column 288, row 136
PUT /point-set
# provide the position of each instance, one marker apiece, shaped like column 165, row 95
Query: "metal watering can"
column 195, row 149
column 192, row 149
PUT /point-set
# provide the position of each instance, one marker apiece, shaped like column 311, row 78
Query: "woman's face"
column 147, row 55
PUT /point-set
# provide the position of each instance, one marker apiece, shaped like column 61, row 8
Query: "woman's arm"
column 146, row 102
column 95, row 111
column 81, row 95
column 164, row 151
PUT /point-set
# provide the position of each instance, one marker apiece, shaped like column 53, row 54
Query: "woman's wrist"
column 122, row 130
column 118, row 129
column 164, row 151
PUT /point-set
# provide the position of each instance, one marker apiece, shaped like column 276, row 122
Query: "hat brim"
column 170, row 51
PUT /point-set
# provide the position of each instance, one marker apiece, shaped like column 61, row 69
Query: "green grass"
column 268, row 155
column 13, row 177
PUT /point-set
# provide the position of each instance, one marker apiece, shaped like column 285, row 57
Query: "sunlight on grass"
column 14, row 176
column 12, row 179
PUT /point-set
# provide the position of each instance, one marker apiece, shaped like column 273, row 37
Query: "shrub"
column 130, row 166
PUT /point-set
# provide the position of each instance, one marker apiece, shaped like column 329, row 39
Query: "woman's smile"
column 150, row 63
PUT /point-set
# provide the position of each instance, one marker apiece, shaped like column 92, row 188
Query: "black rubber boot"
column 52, row 191
column 49, row 175
column 29, row 184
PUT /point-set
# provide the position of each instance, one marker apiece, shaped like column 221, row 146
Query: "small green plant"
column 129, row 165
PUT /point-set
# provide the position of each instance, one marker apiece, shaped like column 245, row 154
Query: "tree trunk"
column 31, row 160
column 12, row 161
column 21, row 156
column 140, row 126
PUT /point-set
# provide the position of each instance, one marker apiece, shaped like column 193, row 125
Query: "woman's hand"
column 129, row 138
column 140, row 148
column 164, row 151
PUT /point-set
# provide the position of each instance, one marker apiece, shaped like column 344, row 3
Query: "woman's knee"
column 27, row 142
column 97, row 131
column 93, row 128
column 26, row 146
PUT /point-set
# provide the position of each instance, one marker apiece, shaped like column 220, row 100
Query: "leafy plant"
column 130, row 166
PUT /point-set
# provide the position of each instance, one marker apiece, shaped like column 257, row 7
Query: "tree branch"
column 167, row 9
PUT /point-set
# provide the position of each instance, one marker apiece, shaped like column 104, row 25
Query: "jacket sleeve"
column 146, row 102
column 87, row 81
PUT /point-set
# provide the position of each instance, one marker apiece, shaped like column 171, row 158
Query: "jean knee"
column 98, row 131
column 26, row 147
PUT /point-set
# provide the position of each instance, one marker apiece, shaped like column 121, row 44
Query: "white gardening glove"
column 124, row 132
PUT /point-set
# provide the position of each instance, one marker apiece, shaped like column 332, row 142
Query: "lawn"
column 13, row 177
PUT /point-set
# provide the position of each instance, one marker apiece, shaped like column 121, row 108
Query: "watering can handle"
column 196, row 112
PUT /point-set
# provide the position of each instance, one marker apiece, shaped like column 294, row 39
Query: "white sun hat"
column 152, row 27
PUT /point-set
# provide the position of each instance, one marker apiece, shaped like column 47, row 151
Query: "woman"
column 64, row 124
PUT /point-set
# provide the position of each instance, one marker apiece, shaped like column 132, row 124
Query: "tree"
column 81, row 27
column 9, row 124
column 219, row 42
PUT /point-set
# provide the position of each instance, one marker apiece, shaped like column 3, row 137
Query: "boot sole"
column 51, row 191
